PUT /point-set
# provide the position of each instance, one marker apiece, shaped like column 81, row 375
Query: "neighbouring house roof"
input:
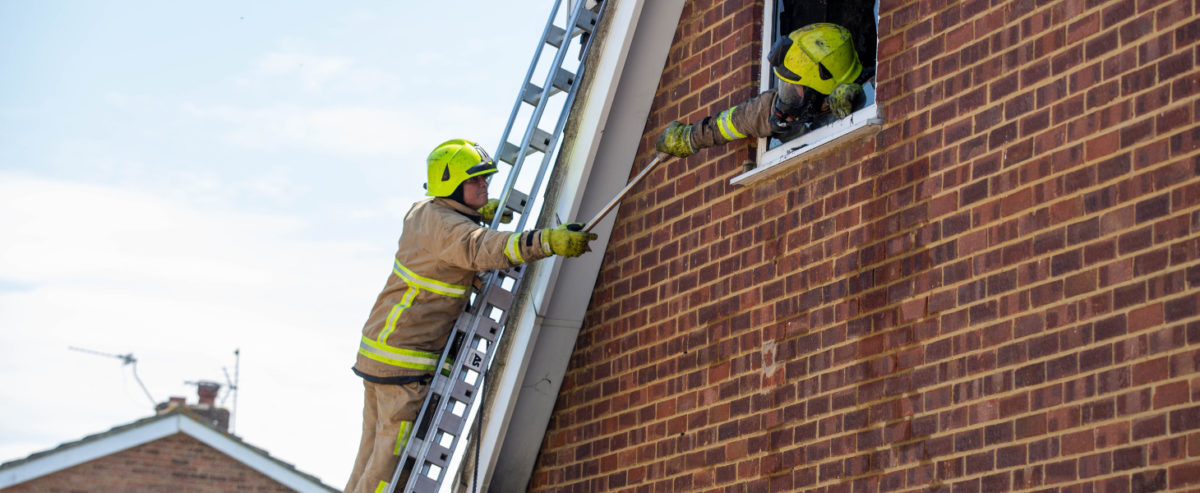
column 148, row 430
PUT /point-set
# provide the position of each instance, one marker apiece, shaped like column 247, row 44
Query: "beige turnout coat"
column 441, row 249
column 751, row 118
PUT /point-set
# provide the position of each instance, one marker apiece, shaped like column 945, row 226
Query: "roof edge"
column 147, row 430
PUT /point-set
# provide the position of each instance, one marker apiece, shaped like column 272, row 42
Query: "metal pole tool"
column 658, row 158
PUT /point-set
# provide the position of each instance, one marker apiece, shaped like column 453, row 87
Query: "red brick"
column 173, row 463
column 1028, row 186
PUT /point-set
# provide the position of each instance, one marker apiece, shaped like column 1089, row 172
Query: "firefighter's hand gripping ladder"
column 462, row 373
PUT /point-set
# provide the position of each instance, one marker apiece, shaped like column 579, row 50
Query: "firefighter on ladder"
column 441, row 248
column 819, row 74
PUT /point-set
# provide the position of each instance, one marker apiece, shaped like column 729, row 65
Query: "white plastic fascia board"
column 149, row 432
column 621, row 15
column 84, row 452
column 612, row 116
column 251, row 458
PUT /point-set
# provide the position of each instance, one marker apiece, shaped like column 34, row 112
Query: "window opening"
column 857, row 16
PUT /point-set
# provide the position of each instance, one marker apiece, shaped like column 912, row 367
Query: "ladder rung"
column 585, row 23
column 439, row 455
column 563, row 79
column 516, row 202
column 508, row 153
column 462, row 391
column 540, row 142
column 450, row 423
column 555, row 35
column 586, row 20
column 474, row 360
column 532, row 95
column 425, row 484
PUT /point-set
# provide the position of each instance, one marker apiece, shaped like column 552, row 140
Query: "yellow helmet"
column 453, row 162
column 819, row 56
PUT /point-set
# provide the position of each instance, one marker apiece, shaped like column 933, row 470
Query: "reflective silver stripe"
column 402, row 436
column 725, row 124
column 403, row 358
column 405, row 302
column 513, row 250
column 434, row 285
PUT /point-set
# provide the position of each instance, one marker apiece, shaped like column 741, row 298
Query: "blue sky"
column 181, row 180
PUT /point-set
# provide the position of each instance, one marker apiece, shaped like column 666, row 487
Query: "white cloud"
column 313, row 72
column 124, row 270
column 319, row 75
column 346, row 130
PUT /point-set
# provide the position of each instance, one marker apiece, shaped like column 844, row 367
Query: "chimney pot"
column 174, row 402
column 207, row 392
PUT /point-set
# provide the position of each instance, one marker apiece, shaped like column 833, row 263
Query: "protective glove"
column 843, row 99
column 676, row 140
column 567, row 240
column 489, row 212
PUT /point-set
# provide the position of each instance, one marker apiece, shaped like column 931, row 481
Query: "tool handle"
column 658, row 158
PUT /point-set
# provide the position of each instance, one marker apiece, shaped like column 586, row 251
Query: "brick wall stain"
column 177, row 463
column 997, row 291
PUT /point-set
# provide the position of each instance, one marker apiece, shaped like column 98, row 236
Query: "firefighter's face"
column 475, row 192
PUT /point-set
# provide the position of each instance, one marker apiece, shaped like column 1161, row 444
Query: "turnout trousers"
column 389, row 412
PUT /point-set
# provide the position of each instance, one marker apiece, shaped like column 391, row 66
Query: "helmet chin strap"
column 457, row 195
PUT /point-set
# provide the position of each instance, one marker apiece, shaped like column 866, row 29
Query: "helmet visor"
column 486, row 164
column 790, row 94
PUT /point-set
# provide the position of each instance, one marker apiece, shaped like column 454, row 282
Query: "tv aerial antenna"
column 127, row 359
column 233, row 386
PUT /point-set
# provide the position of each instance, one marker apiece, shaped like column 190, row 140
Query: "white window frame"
column 797, row 151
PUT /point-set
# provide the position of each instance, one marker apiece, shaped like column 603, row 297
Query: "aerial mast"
column 233, row 386
column 128, row 359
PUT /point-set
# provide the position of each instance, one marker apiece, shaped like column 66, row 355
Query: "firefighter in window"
column 819, row 74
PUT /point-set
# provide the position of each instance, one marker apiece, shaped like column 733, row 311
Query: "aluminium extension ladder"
column 458, row 385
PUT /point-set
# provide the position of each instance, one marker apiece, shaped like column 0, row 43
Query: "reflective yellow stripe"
column 726, row 126
column 513, row 251
column 433, row 285
column 404, row 358
column 382, row 487
column 402, row 436
column 405, row 302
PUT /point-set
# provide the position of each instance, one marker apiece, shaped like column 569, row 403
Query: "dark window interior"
column 856, row 15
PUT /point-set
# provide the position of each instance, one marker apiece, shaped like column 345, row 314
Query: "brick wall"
column 997, row 291
column 178, row 463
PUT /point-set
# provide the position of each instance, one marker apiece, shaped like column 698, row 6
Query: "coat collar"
column 459, row 207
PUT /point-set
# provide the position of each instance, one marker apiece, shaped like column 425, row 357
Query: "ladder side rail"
column 512, row 117
column 551, row 150
column 535, row 119
column 530, row 131
column 417, row 448
column 471, row 340
column 439, row 384
column 450, row 383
